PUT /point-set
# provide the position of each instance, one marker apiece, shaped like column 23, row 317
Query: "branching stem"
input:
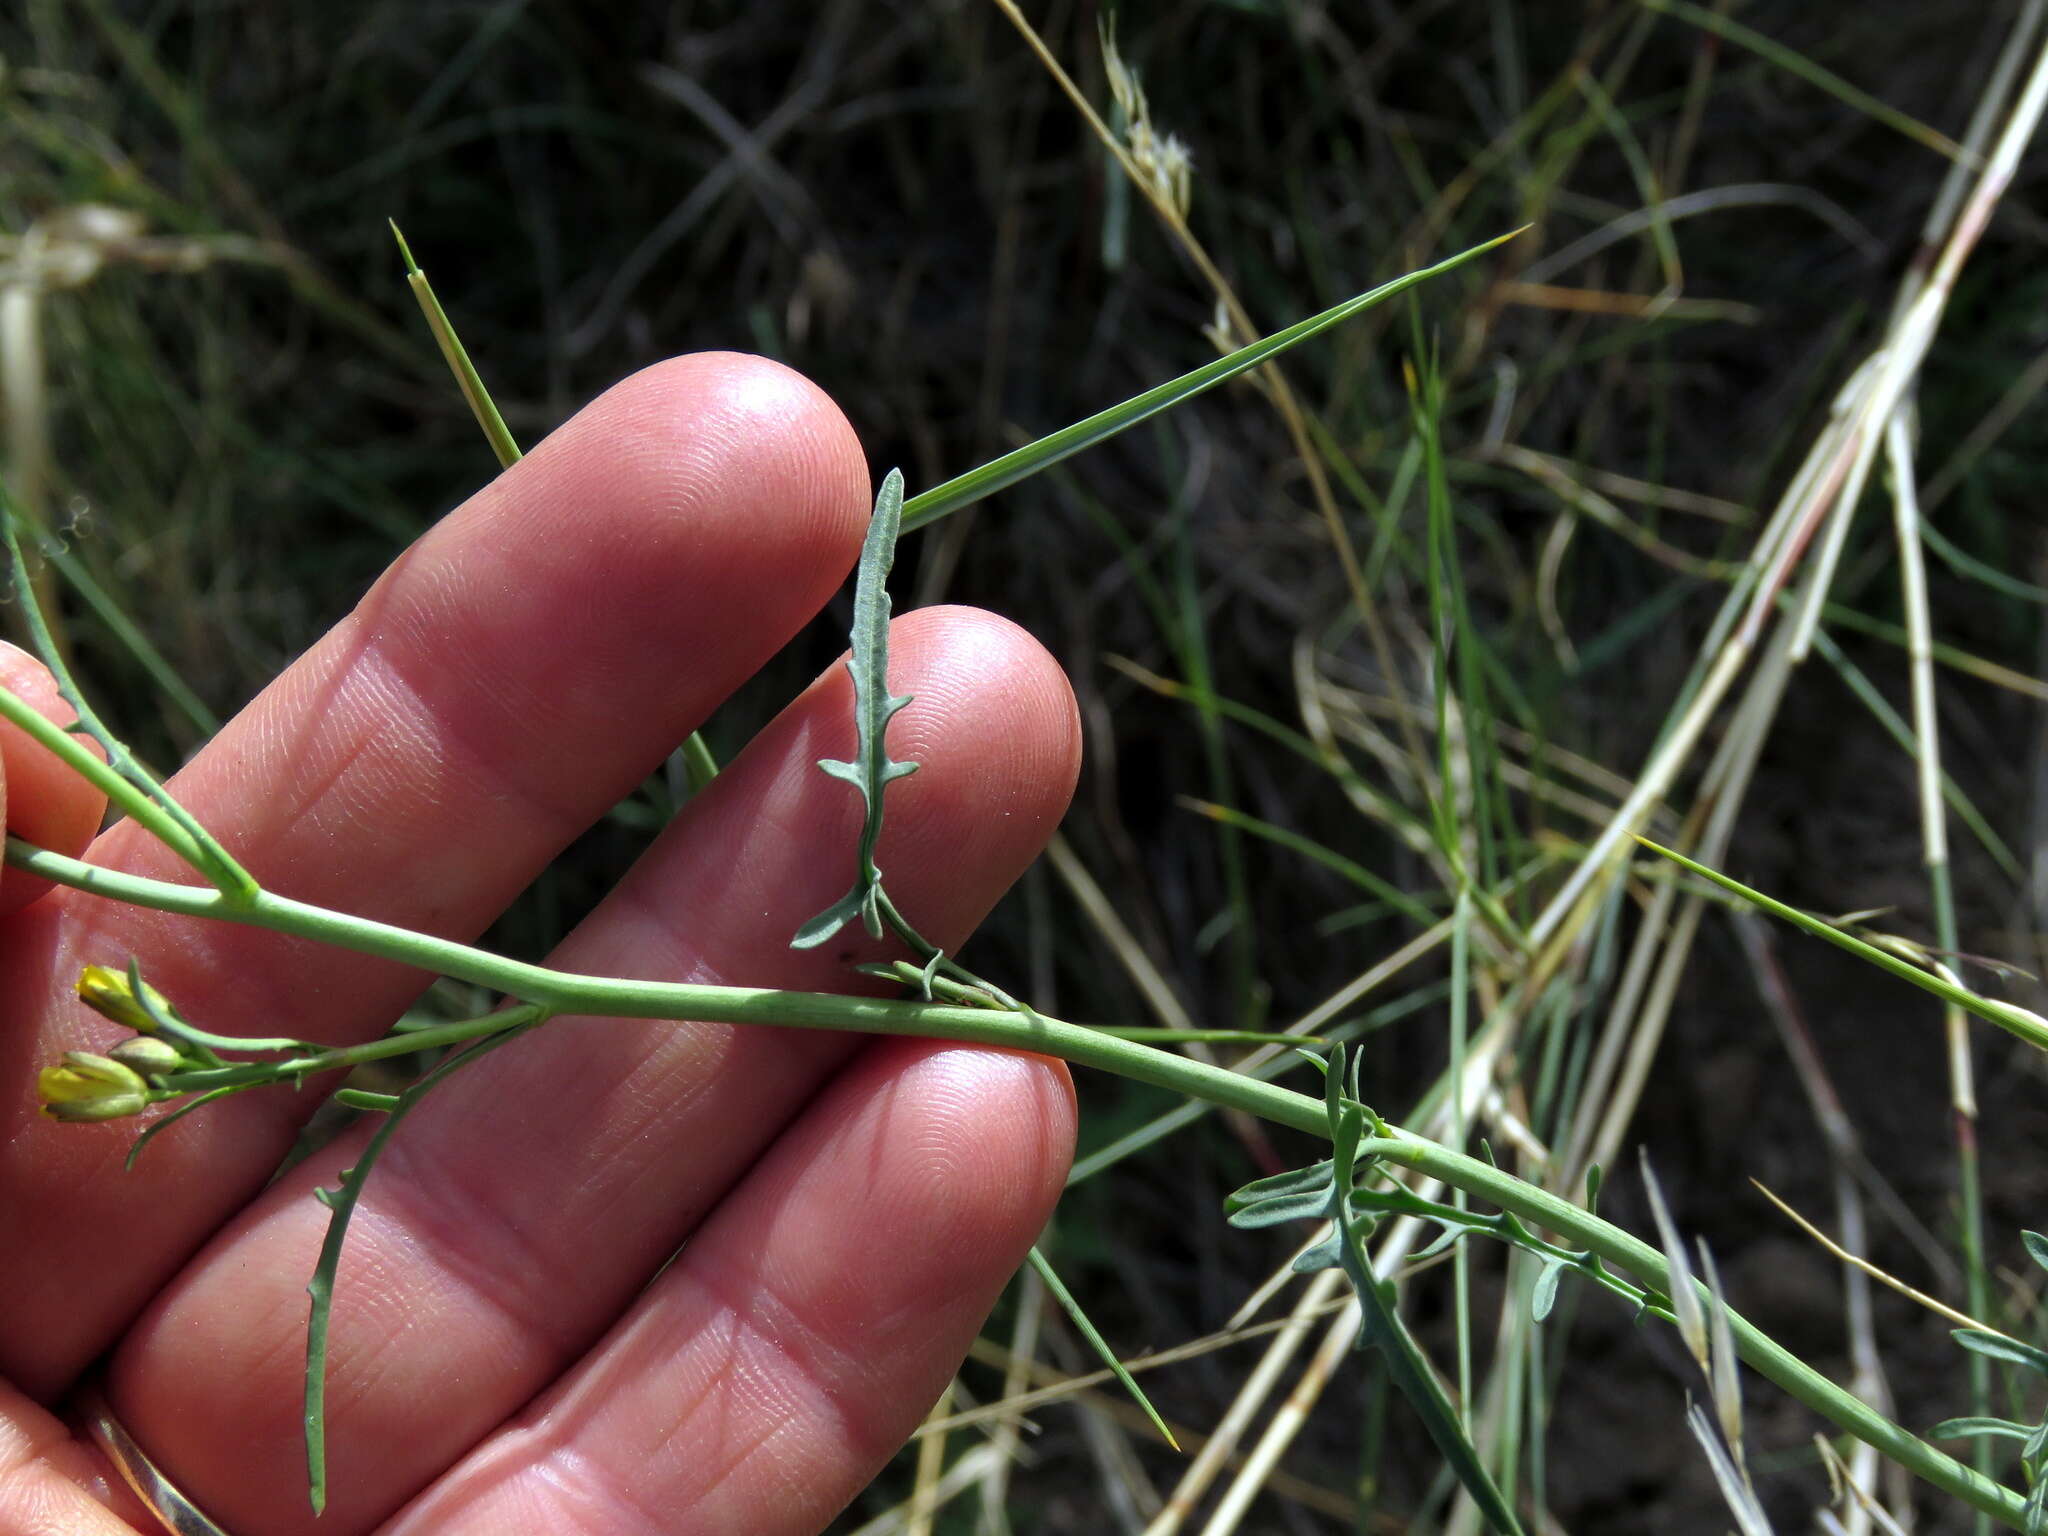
column 559, row 992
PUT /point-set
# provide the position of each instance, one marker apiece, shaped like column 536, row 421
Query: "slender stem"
column 142, row 795
column 1934, row 848
column 88, row 765
column 559, row 992
column 409, row 1043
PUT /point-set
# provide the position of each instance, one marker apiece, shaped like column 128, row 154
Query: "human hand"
column 508, row 1353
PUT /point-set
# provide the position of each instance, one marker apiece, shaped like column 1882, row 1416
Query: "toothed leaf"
column 871, row 770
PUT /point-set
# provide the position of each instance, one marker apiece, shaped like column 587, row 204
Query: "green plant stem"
column 410, row 1042
column 1769, row 1359
column 559, row 992
column 88, row 765
column 164, row 818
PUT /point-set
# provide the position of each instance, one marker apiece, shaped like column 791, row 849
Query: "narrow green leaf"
column 2037, row 1247
column 1318, row 1177
column 342, row 1202
column 1327, row 1254
column 1274, row 1209
column 466, row 377
column 1096, row 1342
column 1543, row 1295
column 871, row 770
column 964, row 490
column 157, row 1127
column 2030, row 1027
column 1996, row 1346
column 1957, row 1429
column 1417, row 1381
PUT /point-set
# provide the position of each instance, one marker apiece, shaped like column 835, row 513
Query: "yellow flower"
column 106, row 991
column 90, row 1087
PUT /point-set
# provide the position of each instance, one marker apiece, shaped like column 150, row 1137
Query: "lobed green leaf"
column 871, row 769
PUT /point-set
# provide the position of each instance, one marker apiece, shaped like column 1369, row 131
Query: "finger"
column 509, row 678
column 50, row 1483
column 521, row 1208
column 798, row 1340
column 41, row 801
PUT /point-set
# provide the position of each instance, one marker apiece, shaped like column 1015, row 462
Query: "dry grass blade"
column 1858, row 1262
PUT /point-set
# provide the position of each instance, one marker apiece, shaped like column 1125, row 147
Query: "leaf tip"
column 405, row 251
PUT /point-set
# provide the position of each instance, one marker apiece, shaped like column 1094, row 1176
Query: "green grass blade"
column 1329, row 858
column 1096, row 1342
column 1971, row 568
column 1796, row 63
column 2030, row 1027
column 1896, row 727
column 703, row 767
column 964, row 490
column 480, row 403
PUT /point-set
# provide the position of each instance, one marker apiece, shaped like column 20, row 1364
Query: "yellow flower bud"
column 149, row 1054
column 90, row 1087
column 106, row 991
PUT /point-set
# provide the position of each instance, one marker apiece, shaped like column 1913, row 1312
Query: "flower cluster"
column 87, row 1086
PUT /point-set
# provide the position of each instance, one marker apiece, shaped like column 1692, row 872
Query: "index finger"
column 510, row 677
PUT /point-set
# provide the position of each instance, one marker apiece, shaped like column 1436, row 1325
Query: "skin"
column 500, row 1359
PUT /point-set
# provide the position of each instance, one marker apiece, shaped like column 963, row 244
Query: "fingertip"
column 995, row 1143
column 971, row 663
column 704, row 443
column 42, row 800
